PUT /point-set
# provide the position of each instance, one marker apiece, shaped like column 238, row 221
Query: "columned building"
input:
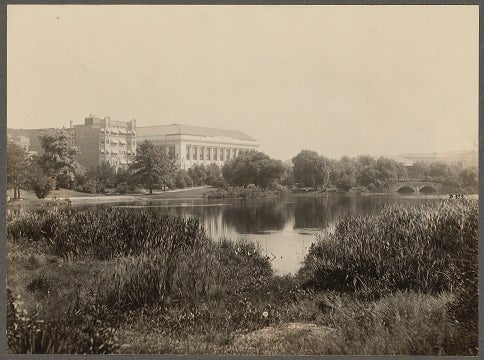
column 189, row 145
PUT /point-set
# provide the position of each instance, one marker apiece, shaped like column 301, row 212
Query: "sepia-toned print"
column 242, row 180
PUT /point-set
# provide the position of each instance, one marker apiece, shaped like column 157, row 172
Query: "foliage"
column 310, row 169
column 105, row 233
column 214, row 176
column 104, row 174
column 399, row 248
column 68, row 334
column 252, row 167
column 59, row 158
column 152, row 167
column 344, row 174
column 42, row 185
column 183, row 179
column 198, row 174
column 17, row 167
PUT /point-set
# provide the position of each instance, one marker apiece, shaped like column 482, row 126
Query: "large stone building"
column 189, row 145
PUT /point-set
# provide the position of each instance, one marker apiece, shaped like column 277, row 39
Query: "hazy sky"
column 334, row 79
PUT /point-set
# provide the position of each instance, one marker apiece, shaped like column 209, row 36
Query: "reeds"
column 399, row 248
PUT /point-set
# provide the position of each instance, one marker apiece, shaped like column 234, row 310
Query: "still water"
column 284, row 228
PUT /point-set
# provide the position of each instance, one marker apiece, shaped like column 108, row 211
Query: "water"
column 284, row 227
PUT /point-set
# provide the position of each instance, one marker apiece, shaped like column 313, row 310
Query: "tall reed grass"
column 107, row 232
column 424, row 249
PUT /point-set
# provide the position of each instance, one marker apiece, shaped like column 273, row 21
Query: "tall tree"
column 310, row 169
column 59, row 158
column 151, row 166
column 252, row 167
column 17, row 167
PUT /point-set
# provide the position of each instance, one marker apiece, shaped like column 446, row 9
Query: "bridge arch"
column 427, row 189
column 406, row 189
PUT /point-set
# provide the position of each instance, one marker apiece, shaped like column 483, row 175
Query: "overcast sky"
column 340, row 80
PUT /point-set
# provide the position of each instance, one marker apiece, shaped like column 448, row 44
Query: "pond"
column 284, row 228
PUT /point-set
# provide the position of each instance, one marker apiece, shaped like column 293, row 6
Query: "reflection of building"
column 190, row 145
column 105, row 140
column 461, row 158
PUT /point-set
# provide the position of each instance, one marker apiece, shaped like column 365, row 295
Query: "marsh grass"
column 399, row 248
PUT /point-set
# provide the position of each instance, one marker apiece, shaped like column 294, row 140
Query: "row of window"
column 212, row 153
column 117, row 131
column 115, row 142
column 116, row 152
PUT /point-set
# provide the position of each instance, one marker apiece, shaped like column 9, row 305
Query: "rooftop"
column 182, row 129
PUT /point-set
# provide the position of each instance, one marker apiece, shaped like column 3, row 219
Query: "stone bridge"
column 415, row 186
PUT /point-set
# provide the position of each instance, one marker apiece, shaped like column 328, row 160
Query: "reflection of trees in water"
column 253, row 217
column 320, row 212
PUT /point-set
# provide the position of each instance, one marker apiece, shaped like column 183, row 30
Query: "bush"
column 398, row 248
column 42, row 185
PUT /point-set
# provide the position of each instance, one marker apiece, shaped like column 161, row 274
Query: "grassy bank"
column 115, row 281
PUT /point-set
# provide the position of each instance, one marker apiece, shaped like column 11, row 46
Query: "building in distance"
column 105, row 140
column 189, row 145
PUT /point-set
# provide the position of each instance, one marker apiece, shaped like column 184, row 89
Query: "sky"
column 339, row 80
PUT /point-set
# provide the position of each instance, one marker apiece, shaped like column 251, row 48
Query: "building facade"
column 105, row 140
column 189, row 145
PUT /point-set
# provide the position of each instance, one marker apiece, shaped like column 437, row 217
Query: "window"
column 222, row 154
column 215, row 154
column 202, row 153
column 188, row 152
column 195, row 152
column 208, row 153
column 228, row 154
column 234, row 153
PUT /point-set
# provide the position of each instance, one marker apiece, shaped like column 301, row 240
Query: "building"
column 99, row 140
column 105, row 140
column 189, row 145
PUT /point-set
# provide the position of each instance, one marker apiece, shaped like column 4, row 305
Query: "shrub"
column 42, row 185
column 398, row 248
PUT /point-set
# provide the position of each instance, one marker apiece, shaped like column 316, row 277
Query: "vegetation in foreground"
column 97, row 281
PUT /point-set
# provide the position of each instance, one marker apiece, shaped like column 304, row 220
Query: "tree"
column 214, row 175
column 17, row 167
column 198, row 174
column 310, row 169
column 469, row 178
column 59, row 159
column 104, row 174
column 344, row 175
column 151, row 166
column 252, row 167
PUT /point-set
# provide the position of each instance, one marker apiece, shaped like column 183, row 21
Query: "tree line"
column 151, row 169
